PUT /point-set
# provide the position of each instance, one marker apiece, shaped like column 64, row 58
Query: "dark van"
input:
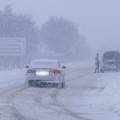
column 110, row 61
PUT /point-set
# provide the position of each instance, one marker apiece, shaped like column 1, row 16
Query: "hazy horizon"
column 97, row 20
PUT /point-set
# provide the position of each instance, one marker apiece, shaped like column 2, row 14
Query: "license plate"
column 42, row 73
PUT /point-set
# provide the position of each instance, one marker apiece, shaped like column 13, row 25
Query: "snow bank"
column 12, row 78
column 112, row 91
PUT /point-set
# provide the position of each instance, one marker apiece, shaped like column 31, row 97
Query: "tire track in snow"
column 57, row 106
column 16, row 113
column 8, row 95
column 57, row 103
column 54, row 97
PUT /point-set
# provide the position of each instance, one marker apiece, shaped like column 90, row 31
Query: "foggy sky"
column 98, row 20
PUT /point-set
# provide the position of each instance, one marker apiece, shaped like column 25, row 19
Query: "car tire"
column 29, row 84
column 61, row 85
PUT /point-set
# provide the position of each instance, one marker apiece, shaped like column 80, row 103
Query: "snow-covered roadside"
column 10, row 83
column 112, row 91
column 95, row 96
column 11, row 79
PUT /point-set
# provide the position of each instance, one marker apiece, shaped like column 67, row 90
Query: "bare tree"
column 62, row 36
column 12, row 25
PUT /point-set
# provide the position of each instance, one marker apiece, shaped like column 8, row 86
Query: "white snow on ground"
column 11, row 78
column 87, row 96
column 92, row 95
column 10, row 83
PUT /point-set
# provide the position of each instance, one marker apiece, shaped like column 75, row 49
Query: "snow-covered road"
column 87, row 96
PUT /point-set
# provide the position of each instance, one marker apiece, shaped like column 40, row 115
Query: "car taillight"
column 56, row 71
column 30, row 71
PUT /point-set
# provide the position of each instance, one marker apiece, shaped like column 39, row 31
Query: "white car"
column 45, row 72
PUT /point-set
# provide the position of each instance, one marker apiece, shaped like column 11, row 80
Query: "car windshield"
column 44, row 64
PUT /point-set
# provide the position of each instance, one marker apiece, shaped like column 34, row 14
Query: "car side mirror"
column 27, row 66
column 64, row 67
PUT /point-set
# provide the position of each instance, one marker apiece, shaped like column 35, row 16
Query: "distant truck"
column 110, row 61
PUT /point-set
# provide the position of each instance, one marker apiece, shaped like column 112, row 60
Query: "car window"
column 44, row 64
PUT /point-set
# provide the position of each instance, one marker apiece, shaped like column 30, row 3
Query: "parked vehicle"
column 110, row 61
column 45, row 72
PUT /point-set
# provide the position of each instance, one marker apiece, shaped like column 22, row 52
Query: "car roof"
column 45, row 60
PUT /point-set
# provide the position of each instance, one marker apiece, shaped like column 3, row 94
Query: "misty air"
column 59, row 60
